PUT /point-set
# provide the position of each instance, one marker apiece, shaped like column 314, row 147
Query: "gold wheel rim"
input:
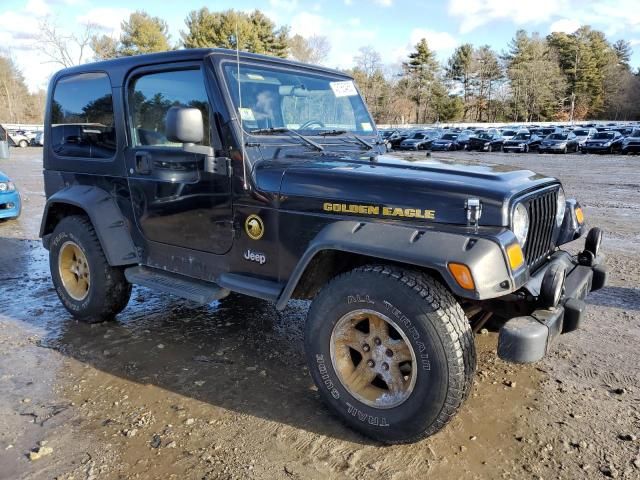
column 73, row 269
column 373, row 359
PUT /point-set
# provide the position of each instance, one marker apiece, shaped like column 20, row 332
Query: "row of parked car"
column 591, row 138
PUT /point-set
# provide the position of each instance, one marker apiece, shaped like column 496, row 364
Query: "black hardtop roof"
column 123, row 64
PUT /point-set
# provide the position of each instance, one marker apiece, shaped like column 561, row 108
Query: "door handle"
column 143, row 163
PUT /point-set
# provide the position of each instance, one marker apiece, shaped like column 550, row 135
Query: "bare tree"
column 64, row 48
column 314, row 49
column 17, row 105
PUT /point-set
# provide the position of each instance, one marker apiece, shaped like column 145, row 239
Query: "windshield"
column 522, row 136
column 449, row 136
column 635, row 134
column 419, row 136
column 604, row 136
column 581, row 133
column 485, row 136
column 508, row 133
column 557, row 136
column 297, row 100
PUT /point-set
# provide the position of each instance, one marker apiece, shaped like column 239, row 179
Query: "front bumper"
column 508, row 148
column 529, row 338
column 594, row 149
column 552, row 148
column 631, row 148
column 10, row 205
column 439, row 147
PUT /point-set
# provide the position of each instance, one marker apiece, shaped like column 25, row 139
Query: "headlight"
column 521, row 144
column 560, row 207
column 607, row 144
column 520, row 223
column 7, row 187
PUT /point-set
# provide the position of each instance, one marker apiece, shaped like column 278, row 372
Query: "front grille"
column 542, row 217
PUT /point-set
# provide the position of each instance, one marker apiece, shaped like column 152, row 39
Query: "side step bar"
column 190, row 288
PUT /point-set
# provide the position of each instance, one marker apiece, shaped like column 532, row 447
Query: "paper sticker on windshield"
column 247, row 114
column 343, row 89
column 255, row 76
column 366, row 127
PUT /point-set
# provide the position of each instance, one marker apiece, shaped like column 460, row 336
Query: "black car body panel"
column 485, row 142
column 350, row 198
column 604, row 142
column 631, row 144
column 531, row 142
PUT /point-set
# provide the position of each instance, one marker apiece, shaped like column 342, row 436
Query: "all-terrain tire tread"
column 455, row 334
column 117, row 289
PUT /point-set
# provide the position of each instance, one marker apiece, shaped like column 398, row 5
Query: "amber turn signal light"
column 579, row 215
column 462, row 274
column 516, row 257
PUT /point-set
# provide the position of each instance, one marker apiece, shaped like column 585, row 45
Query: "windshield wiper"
column 328, row 133
column 358, row 139
column 272, row 130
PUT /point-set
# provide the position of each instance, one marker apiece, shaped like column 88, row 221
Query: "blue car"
column 10, row 203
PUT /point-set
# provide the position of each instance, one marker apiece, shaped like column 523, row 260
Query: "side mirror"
column 184, row 125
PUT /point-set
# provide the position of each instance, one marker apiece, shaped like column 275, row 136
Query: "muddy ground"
column 172, row 391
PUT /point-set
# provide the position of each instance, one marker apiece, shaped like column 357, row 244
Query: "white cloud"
column 611, row 16
column 106, row 18
column 38, row 8
column 309, row 24
column 565, row 25
column 438, row 41
column 476, row 13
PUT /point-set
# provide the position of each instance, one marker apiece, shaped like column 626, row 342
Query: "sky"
column 391, row 27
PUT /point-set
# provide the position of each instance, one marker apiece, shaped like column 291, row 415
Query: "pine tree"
column 460, row 70
column 143, row 33
column 256, row 32
column 422, row 70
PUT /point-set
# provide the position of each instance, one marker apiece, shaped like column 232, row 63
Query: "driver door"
column 175, row 201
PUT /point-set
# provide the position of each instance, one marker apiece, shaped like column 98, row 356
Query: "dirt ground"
column 172, row 391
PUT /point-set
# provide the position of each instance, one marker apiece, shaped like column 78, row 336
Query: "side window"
column 82, row 122
column 150, row 96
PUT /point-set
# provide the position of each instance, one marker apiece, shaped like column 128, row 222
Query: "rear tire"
column 426, row 340
column 89, row 288
column 23, row 144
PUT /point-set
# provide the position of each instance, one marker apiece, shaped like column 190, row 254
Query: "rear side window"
column 82, row 122
column 151, row 95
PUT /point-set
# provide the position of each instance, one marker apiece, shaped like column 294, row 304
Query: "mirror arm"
column 212, row 164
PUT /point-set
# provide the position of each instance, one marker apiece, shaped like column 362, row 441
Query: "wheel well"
column 327, row 264
column 57, row 212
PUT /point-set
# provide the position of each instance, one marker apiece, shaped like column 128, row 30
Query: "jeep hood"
column 409, row 183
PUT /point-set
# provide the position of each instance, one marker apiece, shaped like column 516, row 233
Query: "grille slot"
column 542, row 215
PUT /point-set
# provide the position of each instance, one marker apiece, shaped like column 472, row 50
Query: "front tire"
column 391, row 352
column 89, row 288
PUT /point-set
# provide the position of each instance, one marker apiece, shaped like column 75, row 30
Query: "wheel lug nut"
column 377, row 341
column 366, row 347
column 385, row 366
column 389, row 352
column 371, row 363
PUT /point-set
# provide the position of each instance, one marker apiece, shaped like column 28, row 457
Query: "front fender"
column 433, row 249
column 106, row 218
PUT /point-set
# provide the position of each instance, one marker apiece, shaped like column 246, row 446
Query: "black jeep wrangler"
column 204, row 172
